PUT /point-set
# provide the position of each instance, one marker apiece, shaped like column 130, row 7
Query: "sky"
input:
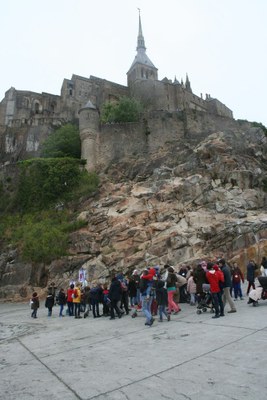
column 220, row 44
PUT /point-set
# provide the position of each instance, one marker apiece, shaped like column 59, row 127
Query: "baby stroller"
column 205, row 303
column 260, row 293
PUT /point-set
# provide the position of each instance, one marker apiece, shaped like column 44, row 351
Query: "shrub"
column 125, row 110
column 63, row 142
column 43, row 182
column 41, row 236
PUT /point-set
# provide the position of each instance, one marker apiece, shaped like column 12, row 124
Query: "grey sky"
column 221, row 44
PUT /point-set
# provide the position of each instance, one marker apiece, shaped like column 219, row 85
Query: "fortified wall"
column 172, row 111
column 105, row 144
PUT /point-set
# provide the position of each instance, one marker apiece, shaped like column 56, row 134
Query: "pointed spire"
column 140, row 38
column 187, row 84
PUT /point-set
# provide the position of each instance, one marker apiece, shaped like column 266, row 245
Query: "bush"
column 64, row 142
column 41, row 236
column 125, row 110
column 260, row 125
column 43, row 182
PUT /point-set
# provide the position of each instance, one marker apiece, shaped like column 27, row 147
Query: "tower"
column 142, row 67
column 89, row 132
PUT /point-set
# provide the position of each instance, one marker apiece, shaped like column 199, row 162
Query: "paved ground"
column 191, row 357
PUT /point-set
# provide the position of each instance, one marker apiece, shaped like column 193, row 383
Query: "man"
column 145, row 291
column 227, row 285
column 215, row 277
column 251, row 275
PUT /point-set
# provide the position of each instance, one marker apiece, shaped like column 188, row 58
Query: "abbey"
column 26, row 118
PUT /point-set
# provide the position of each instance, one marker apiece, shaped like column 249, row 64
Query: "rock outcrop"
column 191, row 200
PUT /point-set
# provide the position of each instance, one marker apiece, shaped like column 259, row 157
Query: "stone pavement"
column 191, row 357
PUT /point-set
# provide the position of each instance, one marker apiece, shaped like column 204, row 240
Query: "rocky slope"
column 189, row 201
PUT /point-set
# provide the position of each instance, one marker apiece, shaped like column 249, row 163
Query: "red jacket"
column 150, row 275
column 214, row 278
column 69, row 295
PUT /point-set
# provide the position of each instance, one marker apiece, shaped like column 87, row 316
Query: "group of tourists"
column 155, row 291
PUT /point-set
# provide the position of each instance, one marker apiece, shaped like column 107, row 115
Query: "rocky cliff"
column 194, row 198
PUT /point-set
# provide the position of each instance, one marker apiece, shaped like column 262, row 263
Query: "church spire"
column 142, row 67
column 140, row 38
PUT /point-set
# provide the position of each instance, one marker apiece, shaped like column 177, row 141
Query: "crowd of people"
column 154, row 292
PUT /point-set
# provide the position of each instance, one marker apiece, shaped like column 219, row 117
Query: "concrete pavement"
column 191, row 357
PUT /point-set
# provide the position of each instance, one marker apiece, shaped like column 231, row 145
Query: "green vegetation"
column 260, row 125
column 64, row 142
column 44, row 182
column 40, row 237
column 36, row 215
column 125, row 110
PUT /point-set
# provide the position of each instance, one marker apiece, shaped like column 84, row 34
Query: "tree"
column 125, row 110
column 64, row 142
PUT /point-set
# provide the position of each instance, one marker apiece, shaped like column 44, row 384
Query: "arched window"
column 36, row 107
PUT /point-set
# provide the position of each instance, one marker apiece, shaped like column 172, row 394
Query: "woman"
column 171, row 289
column 70, row 293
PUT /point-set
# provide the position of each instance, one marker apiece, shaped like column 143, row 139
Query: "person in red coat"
column 215, row 277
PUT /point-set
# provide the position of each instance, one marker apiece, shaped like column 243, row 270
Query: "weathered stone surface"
column 209, row 202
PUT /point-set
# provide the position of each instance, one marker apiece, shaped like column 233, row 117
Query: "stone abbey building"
column 26, row 118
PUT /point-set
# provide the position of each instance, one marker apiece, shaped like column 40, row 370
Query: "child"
column 34, row 304
column 162, row 300
column 106, row 300
column 49, row 302
column 61, row 301
column 192, row 289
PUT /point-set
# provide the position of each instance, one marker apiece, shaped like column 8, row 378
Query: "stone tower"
column 89, row 134
column 142, row 68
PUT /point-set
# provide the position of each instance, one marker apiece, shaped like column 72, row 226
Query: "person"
column 114, row 297
column 251, row 275
column 95, row 297
column 87, row 301
column 124, row 293
column 145, row 291
column 70, row 293
column 106, row 300
column 237, row 277
column 227, row 285
column 136, row 278
column 264, row 265
column 199, row 278
column 77, row 300
column 181, row 285
column 192, row 289
column 183, row 271
column 171, row 289
column 215, row 277
column 61, row 301
column 162, row 300
column 49, row 302
column 132, row 287
column 34, row 304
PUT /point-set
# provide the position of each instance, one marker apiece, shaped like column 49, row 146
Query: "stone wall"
column 105, row 144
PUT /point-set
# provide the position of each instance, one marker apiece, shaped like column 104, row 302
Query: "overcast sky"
column 221, row 44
